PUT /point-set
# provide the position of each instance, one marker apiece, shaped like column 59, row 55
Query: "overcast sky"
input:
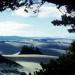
column 20, row 23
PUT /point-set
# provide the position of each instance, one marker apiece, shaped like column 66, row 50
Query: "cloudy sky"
column 20, row 23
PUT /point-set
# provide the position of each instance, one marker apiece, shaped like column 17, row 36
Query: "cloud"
column 21, row 12
column 45, row 11
column 49, row 10
column 12, row 28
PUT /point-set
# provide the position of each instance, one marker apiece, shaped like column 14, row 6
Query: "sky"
column 20, row 23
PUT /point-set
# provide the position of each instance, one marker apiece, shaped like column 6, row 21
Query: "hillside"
column 30, row 62
column 8, row 66
column 47, row 46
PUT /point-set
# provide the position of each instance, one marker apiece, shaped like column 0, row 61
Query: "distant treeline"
column 30, row 50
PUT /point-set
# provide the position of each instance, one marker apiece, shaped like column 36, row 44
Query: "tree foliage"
column 17, row 3
column 23, row 73
column 30, row 50
column 66, row 20
column 64, row 65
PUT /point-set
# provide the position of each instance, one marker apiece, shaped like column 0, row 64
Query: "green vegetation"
column 64, row 65
column 23, row 73
column 30, row 50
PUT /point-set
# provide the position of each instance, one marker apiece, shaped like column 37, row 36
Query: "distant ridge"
column 6, row 38
column 49, row 46
column 10, row 38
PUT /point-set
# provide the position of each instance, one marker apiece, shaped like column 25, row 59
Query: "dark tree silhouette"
column 64, row 65
column 70, row 4
column 30, row 50
column 23, row 73
column 8, row 62
column 66, row 20
column 72, row 48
